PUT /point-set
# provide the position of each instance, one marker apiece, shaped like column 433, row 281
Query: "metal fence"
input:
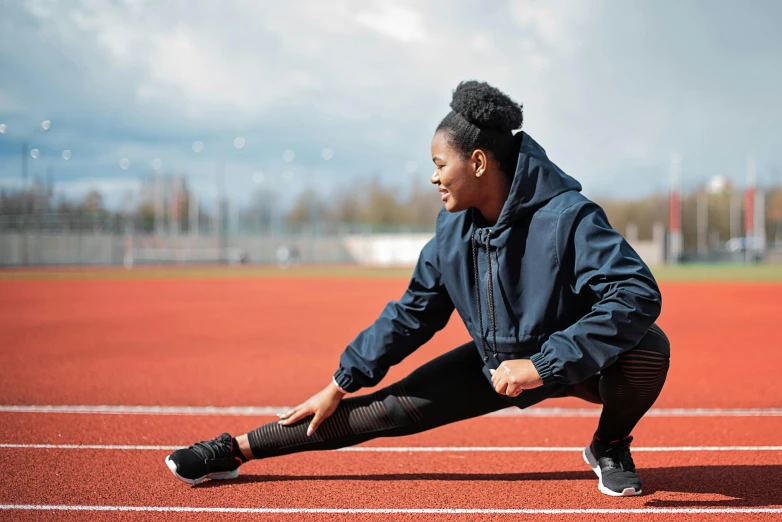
column 103, row 238
column 121, row 224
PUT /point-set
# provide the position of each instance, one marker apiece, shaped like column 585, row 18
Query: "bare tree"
column 93, row 201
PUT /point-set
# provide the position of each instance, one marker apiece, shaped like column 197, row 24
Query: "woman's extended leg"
column 447, row 389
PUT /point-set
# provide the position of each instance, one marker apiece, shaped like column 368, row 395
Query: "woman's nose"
column 435, row 178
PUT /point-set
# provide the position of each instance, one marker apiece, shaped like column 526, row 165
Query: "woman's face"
column 457, row 178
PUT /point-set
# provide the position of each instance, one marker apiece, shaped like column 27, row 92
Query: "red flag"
column 749, row 211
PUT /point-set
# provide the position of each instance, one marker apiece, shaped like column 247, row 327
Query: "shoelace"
column 619, row 456
column 489, row 295
column 217, row 448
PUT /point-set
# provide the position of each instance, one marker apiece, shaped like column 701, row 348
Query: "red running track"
column 166, row 341
column 276, row 341
column 35, row 428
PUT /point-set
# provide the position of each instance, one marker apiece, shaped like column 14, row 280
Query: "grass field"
column 762, row 273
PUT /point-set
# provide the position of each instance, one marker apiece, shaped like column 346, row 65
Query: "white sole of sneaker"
column 590, row 459
column 223, row 475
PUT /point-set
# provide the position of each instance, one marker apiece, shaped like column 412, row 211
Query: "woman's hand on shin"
column 321, row 405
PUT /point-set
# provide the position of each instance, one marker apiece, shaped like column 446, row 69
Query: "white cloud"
column 238, row 61
column 9, row 103
column 196, row 65
column 40, row 8
column 396, row 21
column 542, row 18
column 373, row 79
column 556, row 22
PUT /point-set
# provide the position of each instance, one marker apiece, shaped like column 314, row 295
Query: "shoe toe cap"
column 621, row 481
column 185, row 463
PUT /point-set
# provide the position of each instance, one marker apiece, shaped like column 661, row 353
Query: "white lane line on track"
column 269, row 411
column 409, row 449
column 390, row 511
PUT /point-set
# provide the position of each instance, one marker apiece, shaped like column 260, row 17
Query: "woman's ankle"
column 244, row 446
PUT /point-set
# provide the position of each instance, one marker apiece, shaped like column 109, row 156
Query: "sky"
column 324, row 94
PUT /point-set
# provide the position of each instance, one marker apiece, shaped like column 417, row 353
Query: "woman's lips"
column 444, row 195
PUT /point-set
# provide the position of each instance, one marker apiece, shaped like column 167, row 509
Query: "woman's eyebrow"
column 435, row 158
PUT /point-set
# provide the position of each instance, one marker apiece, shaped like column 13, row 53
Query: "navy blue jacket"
column 551, row 281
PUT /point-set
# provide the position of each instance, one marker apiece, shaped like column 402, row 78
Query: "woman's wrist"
column 336, row 387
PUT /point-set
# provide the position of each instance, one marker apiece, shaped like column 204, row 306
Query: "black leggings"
column 453, row 387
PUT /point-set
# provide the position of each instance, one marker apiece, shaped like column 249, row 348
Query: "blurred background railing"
column 717, row 222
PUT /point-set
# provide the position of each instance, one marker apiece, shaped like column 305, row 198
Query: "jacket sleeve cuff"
column 337, row 385
column 344, row 381
column 543, row 367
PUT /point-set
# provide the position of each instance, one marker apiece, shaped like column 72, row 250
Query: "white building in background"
column 386, row 249
column 719, row 185
column 398, row 250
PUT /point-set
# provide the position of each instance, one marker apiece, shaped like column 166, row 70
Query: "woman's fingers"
column 505, row 382
column 292, row 411
column 287, row 413
column 297, row 414
column 293, row 418
column 315, row 422
column 514, row 390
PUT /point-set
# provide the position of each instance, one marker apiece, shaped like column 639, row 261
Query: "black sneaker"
column 214, row 459
column 614, row 465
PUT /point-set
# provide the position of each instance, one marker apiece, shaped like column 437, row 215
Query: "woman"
column 556, row 302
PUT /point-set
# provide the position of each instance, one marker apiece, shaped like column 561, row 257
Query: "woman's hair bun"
column 487, row 106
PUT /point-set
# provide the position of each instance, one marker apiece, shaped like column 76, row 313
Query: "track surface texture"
column 711, row 449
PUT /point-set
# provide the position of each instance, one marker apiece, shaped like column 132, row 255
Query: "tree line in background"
column 377, row 207
column 724, row 218
column 369, row 203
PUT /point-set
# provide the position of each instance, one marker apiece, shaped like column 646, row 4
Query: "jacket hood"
column 536, row 181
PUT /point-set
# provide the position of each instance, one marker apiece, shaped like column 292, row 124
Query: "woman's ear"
column 479, row 162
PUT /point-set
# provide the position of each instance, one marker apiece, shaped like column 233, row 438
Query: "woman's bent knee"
column 655, row 341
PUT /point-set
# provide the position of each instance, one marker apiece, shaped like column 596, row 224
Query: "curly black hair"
column 483, row 117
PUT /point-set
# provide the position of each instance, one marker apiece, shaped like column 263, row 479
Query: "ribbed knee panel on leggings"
column 355, row 420
column 630, row 386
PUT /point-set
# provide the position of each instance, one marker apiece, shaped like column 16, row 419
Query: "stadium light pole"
column 238, row 143
column 45, row 126
column 675, row 242
column 66, row 156
column 749, row 210
column 159, row 203
column 192, row 203
column 220, row 166
column 127, row 257
column 25, row 146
